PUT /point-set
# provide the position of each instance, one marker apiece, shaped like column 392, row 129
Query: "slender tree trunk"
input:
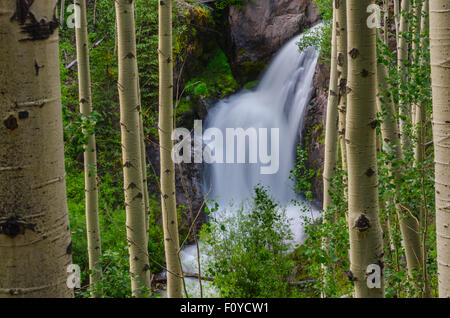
column 366, row 243
column 424, row 44
column 440, row 78
column 341, row 43
column 420, row 45
column 415, row 48
column 35, row 244
column 382, row 89
column 61, row 14
column 419, row 115
column 144, row 165
column 168, row 200
column 402, row 62
column 331, row 138
column 131, row 148
column 390, row 135
column 397, row 18
column 385, row 22
column 409, row 225
column 90, row 154
column 144, row 175
column 420, row 119
column 331, row 154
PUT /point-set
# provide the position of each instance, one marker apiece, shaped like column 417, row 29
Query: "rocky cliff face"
column 313, row 128
column 261, row 27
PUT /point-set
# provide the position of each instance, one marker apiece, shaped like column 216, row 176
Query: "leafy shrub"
column 249, row 251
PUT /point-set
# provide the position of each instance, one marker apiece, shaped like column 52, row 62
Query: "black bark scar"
column 23, row 11
column 15, row 226
column 36, row 30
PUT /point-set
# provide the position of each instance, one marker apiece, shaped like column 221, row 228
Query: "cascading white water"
column 279, row 101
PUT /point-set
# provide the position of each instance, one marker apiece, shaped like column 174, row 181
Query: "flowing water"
column 279, row 101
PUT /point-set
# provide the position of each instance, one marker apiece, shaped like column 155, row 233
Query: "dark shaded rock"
column 261, row 27
column 313, row 128
column 188, row 185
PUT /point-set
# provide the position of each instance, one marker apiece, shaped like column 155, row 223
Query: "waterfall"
column 279, row 101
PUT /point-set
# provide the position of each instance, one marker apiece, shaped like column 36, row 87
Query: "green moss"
column 251, row 85
column 241, row 52
column 250, row 71
column 215, row 80
column 201, row 89
column 224, row 4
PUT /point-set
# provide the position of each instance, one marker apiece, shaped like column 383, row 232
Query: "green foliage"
column 302, row 175
column 224, row 4
column 105, row 122
column 325, row 250
column 251, row 85
column 327, row 240
column 414, row 192
column 249, row 252
column 215, row 80
column 320, row 38
column 116, row 279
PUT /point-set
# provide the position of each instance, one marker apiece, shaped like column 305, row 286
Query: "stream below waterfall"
column 279, row 101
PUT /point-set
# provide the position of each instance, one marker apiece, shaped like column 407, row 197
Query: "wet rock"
column 313, row 128
column 261, row 27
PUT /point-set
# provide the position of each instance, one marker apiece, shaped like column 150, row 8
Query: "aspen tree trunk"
column 417, row 12
column 418, row 116
column 419, row 122
column 415, row 47
column 420, row 157
column 382, row 88
column 397, row 18
column 331, row 154
column 385, row 22
column 402, row 60
column 90, row 154
column 168, row 200
column 366, row 243
column 440, row 78
column 144, row 174
column 61, row 14
column 331, row 138
column 35, row 244
column 425, row 26
column 389, row 132
column 420, row 112
column 341, row 45
column 143, row 163
column 131, row 148
column 409, row 226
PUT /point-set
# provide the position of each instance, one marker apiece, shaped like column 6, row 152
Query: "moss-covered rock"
column 313, row 128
